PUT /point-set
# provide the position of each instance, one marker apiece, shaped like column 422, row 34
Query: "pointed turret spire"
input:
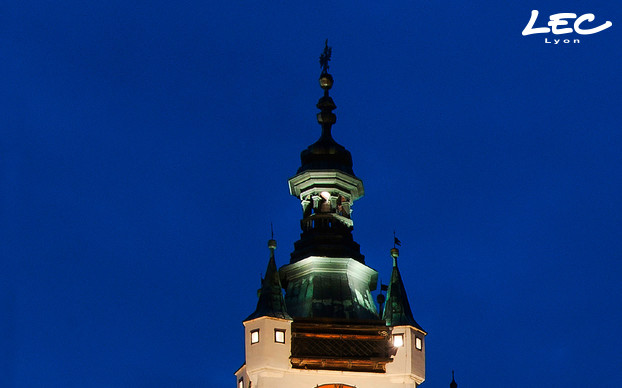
column 453, row 383
column 397, row 311
column 271, row 302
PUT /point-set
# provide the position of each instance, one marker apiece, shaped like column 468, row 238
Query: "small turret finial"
column 395, row 253
column 272, row 241
column 453, row 383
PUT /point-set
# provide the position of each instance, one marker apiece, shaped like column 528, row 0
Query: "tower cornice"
column 316, row 181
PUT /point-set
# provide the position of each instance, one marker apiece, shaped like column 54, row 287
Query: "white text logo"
column 559, row 20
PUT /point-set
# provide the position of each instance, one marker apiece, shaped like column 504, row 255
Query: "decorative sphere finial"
column 326, row 81
column 272, row 241
column 395, row 253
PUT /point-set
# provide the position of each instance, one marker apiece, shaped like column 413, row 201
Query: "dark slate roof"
column 326, row 154
column 270, row 303
column 397, row 310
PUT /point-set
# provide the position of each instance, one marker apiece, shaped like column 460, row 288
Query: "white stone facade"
column 268, row 366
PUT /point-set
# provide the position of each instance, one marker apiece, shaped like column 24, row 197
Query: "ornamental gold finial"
column 326, row 80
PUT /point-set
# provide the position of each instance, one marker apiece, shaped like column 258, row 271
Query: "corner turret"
column 397, row 311
column 271, row 302
column 408, row 336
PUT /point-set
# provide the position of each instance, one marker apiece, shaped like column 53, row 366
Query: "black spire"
column 397, row 311
column 453, row 383
column 271, row 302
column 326, row 153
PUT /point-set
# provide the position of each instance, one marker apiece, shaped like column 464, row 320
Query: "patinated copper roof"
column 271, row 302
column 397, row 311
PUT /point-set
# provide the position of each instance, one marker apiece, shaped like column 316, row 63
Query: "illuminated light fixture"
column 418, row 343
column 279, row 336
column 254, row 336
column 398, row 340
column 325, row 195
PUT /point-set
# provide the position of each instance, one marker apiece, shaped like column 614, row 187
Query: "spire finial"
column 325, row 57
column 272, row 241
column 326, row 80
column 395, row 253
column 453, row 383
column 326, row 118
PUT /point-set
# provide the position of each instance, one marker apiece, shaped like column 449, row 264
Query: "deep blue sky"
column 145, row 147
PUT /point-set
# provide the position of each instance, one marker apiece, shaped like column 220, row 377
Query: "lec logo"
column 559, row 19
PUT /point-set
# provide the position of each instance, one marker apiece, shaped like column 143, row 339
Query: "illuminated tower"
column 326, row 330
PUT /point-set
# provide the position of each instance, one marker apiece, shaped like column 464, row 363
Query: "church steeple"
column 327, row 276
column 271, row 302
column 397, row 311
column 335, row 336
column 327, row 187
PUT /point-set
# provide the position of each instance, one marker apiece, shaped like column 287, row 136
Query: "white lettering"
column 590, row 18
column 558, row 41
column 558, row 20
column 529, row 28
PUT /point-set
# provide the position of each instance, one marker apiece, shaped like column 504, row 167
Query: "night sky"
column 145, row 148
